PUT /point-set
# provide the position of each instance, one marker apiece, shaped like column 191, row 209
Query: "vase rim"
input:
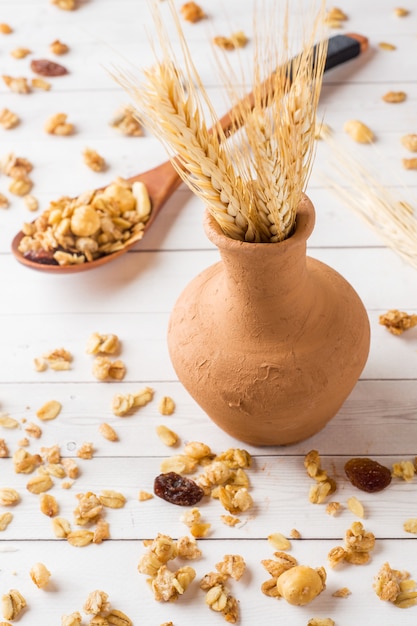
column 304, row 224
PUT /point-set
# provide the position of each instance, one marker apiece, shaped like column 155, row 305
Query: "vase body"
column 268, row 341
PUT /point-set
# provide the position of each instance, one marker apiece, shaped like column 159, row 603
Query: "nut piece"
column 12, row 604
column 8, row 119
column 40, row 575
column 20, row 53
column 166, row 406
column 409, row 164
column 16, row 84
column 5, row 29
column 5, row 519
column 57, row 47
column 8, row 496
column 410, row 142
column 279, row 541
column 398, row 321
column 48, row 505
column 57, row 125
column 300, row 584
column 167, row 436
column 123, row 404
column 66, row 5
column 106, row 344
column 108, row 432
column 94, row 160
column 112, row 499
column 394, row 97
column 192, row 12
column 125, row 121
column 39, row 483
column 49, row 411
column 355, row 507
column 358, row 131
column 96, row 603
column 236, row 40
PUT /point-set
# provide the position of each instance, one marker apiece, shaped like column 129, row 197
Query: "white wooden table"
column 133, row 297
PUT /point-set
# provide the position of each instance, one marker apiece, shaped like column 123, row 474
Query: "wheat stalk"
column 392, row 219
column 253, row 184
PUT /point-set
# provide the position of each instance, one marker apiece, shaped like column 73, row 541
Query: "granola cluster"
column 297, row 584
column 324, row 485
column 395, row 586
column 168, row 584
column 218, row 596
column 77, row 230
column 397, row 321
column 359, row 544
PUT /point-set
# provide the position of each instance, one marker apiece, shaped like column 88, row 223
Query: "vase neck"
column 267, row 283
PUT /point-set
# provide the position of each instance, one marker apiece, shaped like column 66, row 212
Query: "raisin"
column 177, row 489
column 40, row 256
column 43, row 67
column 367, row 474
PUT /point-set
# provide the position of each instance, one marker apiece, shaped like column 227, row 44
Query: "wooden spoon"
column 163, row 180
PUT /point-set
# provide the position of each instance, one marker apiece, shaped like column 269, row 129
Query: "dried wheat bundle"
column 391, row 218
column 252, row 184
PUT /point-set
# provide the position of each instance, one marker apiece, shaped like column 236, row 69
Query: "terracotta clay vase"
column 268, row 341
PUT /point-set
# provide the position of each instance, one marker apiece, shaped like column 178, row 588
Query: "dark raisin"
column 367, row 474
column 41, row 256
column 177, row 489
column 43, row 67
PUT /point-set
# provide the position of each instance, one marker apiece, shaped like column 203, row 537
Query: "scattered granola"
column 12, row 604
column 401, row 12
column 48, row 505
column 66, row 5
column 218, row 596
column 166, row 435
column 20, row 53
column 358, row 131
column 395, row 586
column 384, row 45
column 57, row 125
column 236, row 40
column 125, row 404
column 8, row 119
column 321, row 621
column 410, row 525
column 404, row 469
column 325, row 485
column 144, row 495
column 358, row 546
column 333, row 508
column 279, row 541
column 343, row 592
column 108, row 432
column 8, row 496
column 356, row 507
column 32, row 203
column 40, row 83
column 40, row 575
column 166, row 406
column 17, row 84
column 105, row 344
column 397, row 321
column 409, row 164
column 104, row 368
column 57, row 47
column 410, row 142
column 86, row 450
column 335, row 17
column 4, row 202
column 8, row 422
column 94, row 160
column 192, row 12
column 49, row 411
column 5, row 519
column 125, row 121
column 394, row 97
column 5, row 29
